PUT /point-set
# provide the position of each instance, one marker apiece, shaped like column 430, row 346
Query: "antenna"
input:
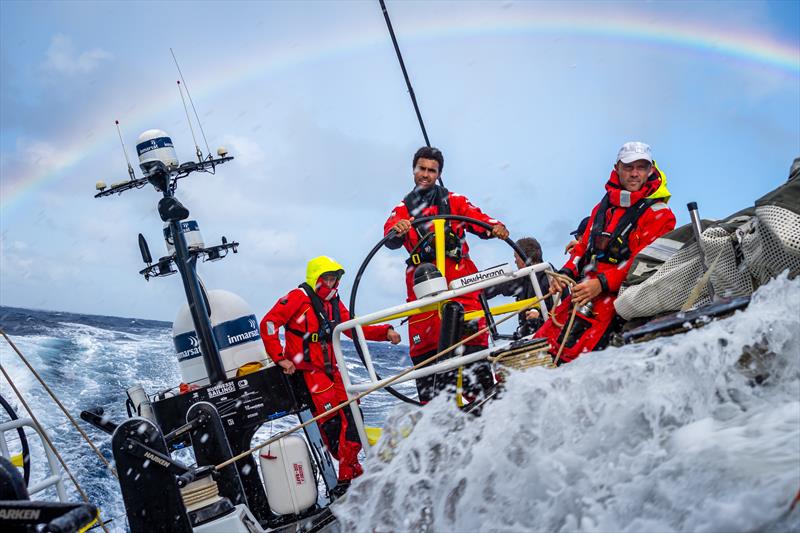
column 196, row 116
column 124, row 151
column 408, row 80
column 191, row 129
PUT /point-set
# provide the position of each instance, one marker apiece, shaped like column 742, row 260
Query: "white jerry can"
column 288, row 476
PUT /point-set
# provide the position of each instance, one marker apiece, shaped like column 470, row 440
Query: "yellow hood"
column 318, row 266
column 662, row 192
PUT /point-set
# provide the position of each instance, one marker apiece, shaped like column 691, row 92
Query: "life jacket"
column 425, row 250
column 613, row 247
column 324, row 334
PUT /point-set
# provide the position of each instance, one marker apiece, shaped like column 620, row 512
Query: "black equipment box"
column 242, row 402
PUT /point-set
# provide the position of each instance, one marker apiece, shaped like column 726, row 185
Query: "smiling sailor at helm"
column 426, row 199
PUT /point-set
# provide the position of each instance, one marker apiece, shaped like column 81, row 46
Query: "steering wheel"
column 382, row 243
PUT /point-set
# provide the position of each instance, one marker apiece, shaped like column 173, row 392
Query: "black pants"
column 477, row 377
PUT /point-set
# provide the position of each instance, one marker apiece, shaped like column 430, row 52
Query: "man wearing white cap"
column 631, row 215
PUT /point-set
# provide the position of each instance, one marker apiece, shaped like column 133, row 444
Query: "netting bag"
column 743, row 252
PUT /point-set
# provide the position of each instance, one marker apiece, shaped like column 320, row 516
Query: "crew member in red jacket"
column 426, row 199
column 631, row 215
column 308, row 315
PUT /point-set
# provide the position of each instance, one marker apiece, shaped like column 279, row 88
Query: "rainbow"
column 752, row 49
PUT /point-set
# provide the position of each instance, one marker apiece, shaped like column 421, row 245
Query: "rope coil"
column 200, row 493
column 524, row 357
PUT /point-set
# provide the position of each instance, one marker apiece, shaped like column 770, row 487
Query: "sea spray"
column 676, row 434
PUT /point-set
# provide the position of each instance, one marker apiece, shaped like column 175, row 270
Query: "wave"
column 89, row 361
column 677, row 434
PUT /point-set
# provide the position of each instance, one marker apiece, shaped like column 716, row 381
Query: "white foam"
column 663, row 436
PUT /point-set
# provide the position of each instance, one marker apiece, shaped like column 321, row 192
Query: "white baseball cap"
column 634, row 151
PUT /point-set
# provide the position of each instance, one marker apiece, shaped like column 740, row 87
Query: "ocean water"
column 671, row 435
column 676, row 434
column 89, row 361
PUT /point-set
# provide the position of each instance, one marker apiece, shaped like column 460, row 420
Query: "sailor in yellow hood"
column 323, row 274
column 309, row 315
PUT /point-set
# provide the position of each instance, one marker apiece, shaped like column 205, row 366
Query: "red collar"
column 619, row 197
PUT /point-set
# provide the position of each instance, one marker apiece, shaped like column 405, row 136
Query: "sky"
column 529, row 101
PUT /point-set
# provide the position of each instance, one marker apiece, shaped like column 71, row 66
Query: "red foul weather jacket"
column 588, row 261
column 423, row 329
column 654, row 222
column 295, row 313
